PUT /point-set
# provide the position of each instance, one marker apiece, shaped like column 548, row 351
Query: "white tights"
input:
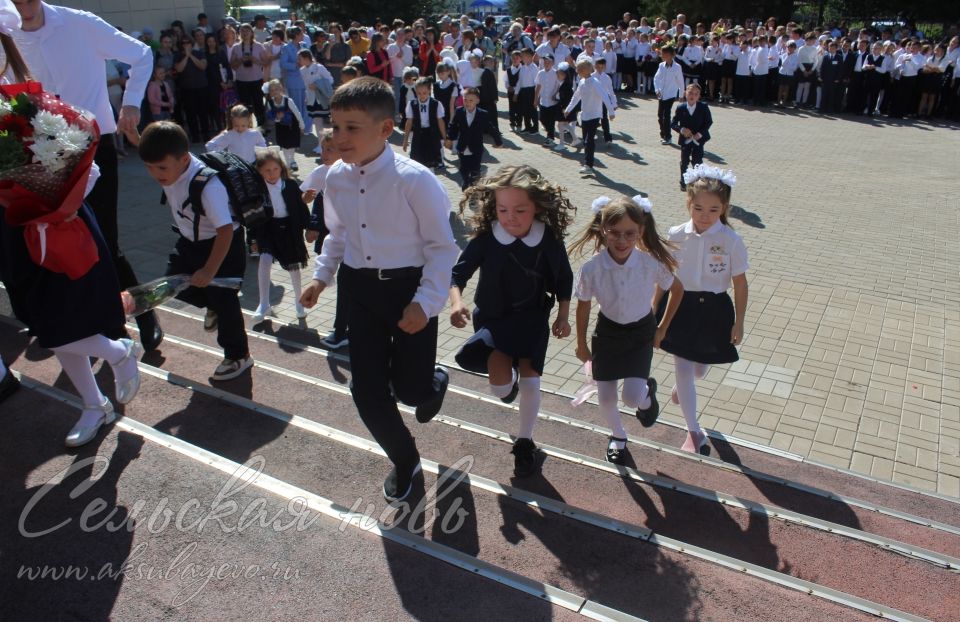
column 687, row 373
column 75, row 360
column 263, row 282
column 803, row 89
column 529, row 405
column 635, row 395
column 288, row 156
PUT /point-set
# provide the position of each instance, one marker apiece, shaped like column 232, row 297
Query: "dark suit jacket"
column 847, row 64
column 488, row 87
column 471, row 136
column 698, row 123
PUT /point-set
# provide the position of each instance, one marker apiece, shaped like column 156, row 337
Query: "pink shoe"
column 696, row 442
column 674, row 397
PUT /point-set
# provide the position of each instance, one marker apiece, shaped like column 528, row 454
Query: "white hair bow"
column 704, row 171
column 598, row 204
column 644, row 203
column 9, row 17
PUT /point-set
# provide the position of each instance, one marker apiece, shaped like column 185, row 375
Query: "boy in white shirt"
column 668, row 85
column 759, row 68
column 546, row 97
column 604, row 78
column 390, row 236
column 211, row 243
column 592, row 97
column 526, row 89
column 789, row 62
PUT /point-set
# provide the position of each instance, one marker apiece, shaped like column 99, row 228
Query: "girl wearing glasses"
column 631, row 262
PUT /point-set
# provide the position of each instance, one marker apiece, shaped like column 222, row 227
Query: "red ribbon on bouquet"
column 56, row 238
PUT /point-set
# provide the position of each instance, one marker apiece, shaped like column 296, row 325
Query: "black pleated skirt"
column 622, row 350
column 523, row 334
column 284, row 240
column 700, row 331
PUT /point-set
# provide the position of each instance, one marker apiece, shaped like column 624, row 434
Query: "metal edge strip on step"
column 528, row 498
column 320, row 504
column 712, row 433
column 919, row 553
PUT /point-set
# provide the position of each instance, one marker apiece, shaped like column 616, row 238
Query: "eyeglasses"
column 630, row 236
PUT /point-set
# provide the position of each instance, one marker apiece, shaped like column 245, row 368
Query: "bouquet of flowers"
column 46, row 151
column 143, row 298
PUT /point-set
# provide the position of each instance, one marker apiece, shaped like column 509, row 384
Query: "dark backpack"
column 246, row 189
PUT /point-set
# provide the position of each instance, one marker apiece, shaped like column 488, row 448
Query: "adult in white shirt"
column 554, row 47
column 65, row 50
column 401, row 57
column 681, row 27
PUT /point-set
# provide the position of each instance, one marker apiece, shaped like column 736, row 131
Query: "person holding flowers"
column 54, row 261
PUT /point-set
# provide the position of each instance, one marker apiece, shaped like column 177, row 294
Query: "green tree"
column 364, row 11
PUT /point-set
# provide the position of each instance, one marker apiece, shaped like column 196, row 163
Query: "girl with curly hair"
column 519, row 223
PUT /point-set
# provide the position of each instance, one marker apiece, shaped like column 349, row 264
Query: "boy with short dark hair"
column 390, row 236
column 211, row 243
column 668, row 85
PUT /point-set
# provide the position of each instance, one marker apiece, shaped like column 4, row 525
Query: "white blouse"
column 708, row 261
column 242, row 144
column 623, row 291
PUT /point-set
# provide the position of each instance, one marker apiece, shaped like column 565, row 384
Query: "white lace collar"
column 533, row 237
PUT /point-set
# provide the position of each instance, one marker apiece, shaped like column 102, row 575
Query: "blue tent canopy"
column 498, row 4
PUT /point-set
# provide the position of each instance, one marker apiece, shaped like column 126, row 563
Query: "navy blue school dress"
column 282, row 235
column 700, row 330
column 288, row 129
column 520, row 279
column 56, row 309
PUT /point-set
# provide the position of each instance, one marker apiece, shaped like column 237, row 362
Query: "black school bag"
column 246, row 189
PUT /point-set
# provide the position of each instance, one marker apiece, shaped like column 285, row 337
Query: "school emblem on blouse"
column 717, row 262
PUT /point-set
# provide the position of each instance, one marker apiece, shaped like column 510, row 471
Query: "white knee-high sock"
column 607, row 399
column 636, row 393
column 529, row 405
column 77, row 368
column 3, row 369
column 263, row 281
column 503, row 390
column 687, row 391
column 296, row 284
column 96, row 345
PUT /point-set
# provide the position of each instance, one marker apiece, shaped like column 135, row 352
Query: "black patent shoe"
column 8, row 386
column 648, row 416
column 617, row 456
column 524, row 457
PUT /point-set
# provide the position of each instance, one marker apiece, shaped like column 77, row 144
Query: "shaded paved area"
column 853, row 328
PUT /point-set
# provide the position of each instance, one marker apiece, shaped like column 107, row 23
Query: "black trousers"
column 528, row 108
column 388, row 364
column 689, row 152
column 741, row 88
column 195, row 112
column 250, row 94
column 605, row 125
column 549, row 116
column 469, row 169
column 760, row 90
column 907, row 97
column 340, row 325
column 589, row 140
column 664, row 108
column 491, row 108
column 828, row 96
column 187, row 258
column 516, row 118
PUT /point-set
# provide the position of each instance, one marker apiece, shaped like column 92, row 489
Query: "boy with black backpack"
column 211, row 242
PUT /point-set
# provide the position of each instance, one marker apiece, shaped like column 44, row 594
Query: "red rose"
column 16, row 124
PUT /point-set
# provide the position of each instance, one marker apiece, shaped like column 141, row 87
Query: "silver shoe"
column 127, row 389
column 81, row 435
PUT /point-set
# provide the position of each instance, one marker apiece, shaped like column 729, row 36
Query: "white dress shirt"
column 316, row 180
column 693, row 54
column 623, row 291
column 607, row 83
column 643, row 49
column 424, row 111
column 549, row 86
column 216, row 204
column 708, row 261
column 560, row 54
column 528, row 76
column 789, row 64
column 759, row 61
column 67, row 54
column 668, row 81
column 276, row 199
column 243, row 144
column 592, row 96
column 390, row 213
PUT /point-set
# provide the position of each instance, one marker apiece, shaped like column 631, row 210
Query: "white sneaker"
column 210, row 321
column 231, row 368
column 560, row 147
column 301, row 312
column 576, row 143
column 334, row 341
column 261, row 315
column 586, row 171
column 91, row 419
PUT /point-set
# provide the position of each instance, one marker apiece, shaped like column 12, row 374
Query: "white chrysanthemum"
column 49, row 124
column 48, row 152
column 5, row 108
column 73, row 141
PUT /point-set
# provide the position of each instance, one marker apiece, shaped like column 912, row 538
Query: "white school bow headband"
column 601, row 202
column 704, row 171
column 9, row 17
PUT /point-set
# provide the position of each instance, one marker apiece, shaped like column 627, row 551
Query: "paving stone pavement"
column 852, row 347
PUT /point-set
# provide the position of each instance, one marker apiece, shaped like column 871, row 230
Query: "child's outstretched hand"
column 414, row 319
column 311, row 293
column 561, row 328
column 459, row 316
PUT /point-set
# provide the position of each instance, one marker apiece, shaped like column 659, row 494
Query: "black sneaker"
column 8, row 386
column 429, row 410
column 399, row 483
column 335, row 341
column 524, row 457
column 648, row 416
column 512, row 395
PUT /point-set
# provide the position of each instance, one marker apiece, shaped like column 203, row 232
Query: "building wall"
column 133, row 15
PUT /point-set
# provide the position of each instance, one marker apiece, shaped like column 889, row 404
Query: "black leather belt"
column 389, row 274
